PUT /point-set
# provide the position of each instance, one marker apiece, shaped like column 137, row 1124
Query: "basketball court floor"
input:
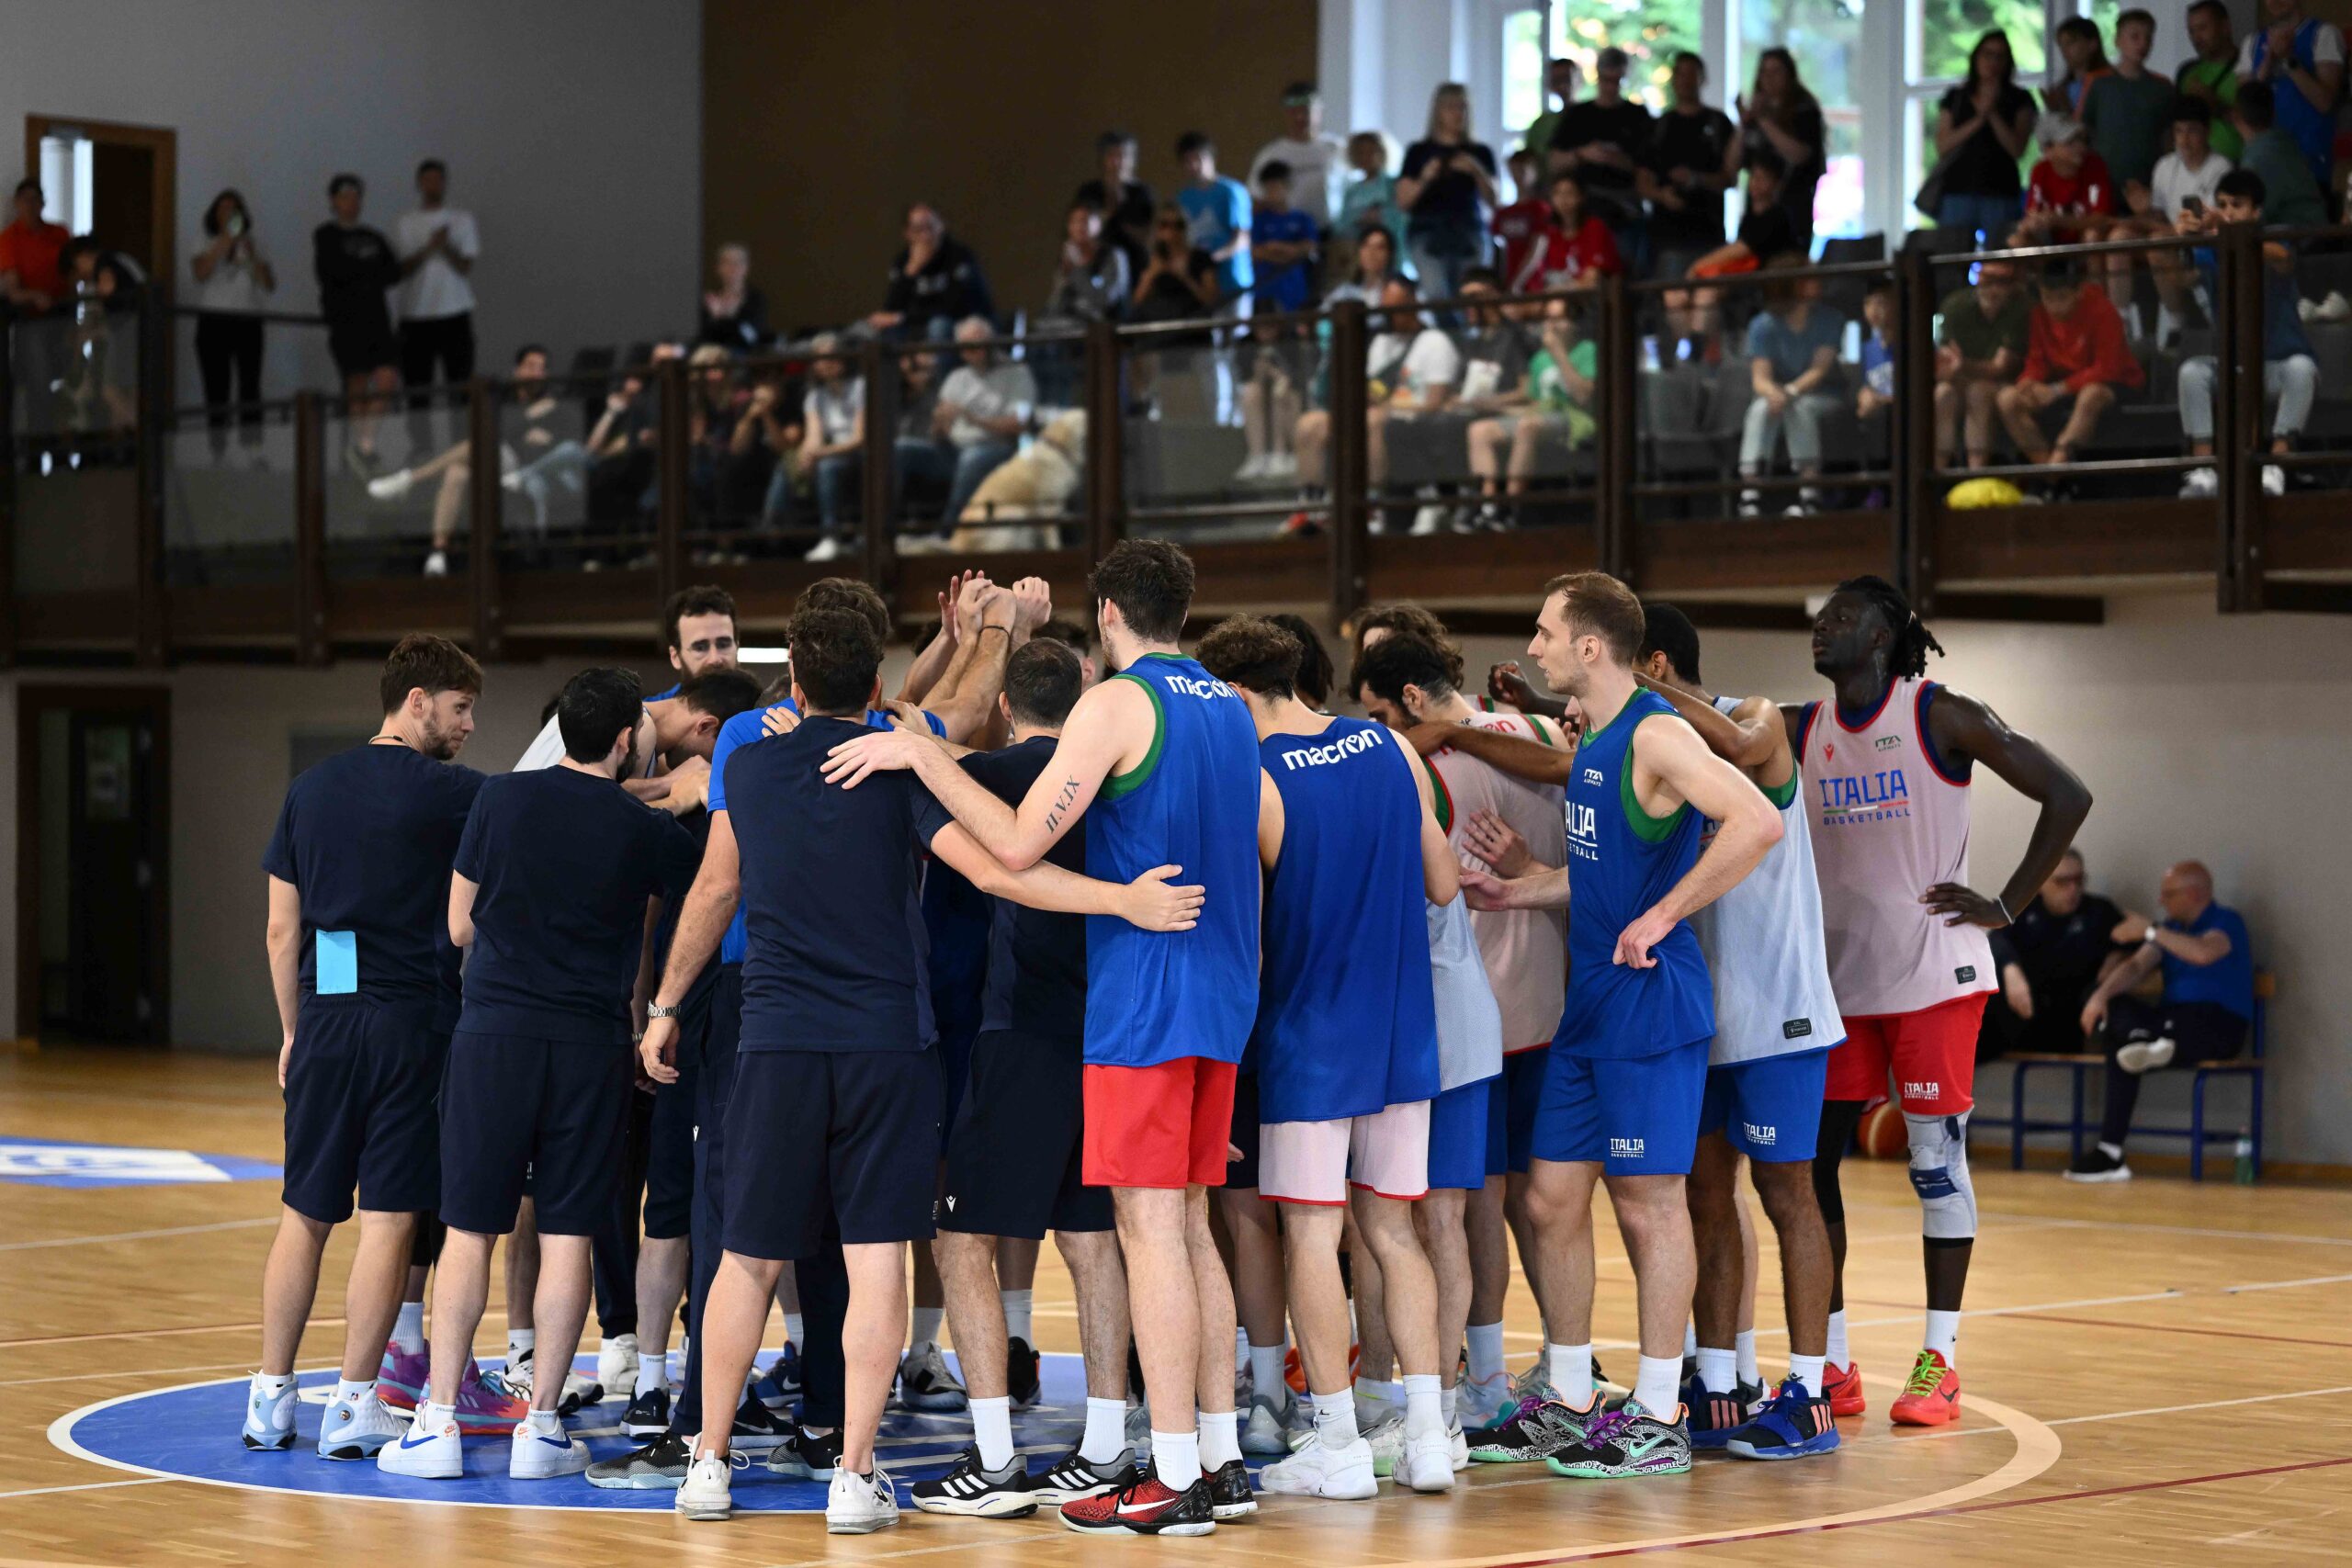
column 2154, row 1373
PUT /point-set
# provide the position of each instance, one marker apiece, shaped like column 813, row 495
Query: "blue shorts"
column 1633, row 1116
column 1510, row 1110
column 1769, row 1109
column 359, row 1107
column 813, row 1135
column 557, row 1109
column 1458, row 1120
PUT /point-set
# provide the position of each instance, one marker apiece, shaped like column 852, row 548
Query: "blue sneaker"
column 1792, row 1424
column 269, row 1417
column 1714, row 1416
column 780, row 1384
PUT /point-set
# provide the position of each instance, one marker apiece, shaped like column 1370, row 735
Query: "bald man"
column 2207, row 964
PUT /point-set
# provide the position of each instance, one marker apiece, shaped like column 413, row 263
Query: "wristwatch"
column 2150, row 934
column 655, row 1010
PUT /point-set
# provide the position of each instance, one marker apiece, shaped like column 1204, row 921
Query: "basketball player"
column 1887, row 766
column 1346, row 1046
column 1776, row 1021
column 834, row 1080
column 1628, row 1069
column 1163, row 762
column 366, row 989
column 552, row 881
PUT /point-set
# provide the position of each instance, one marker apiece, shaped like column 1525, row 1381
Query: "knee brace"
column 1939, row 1175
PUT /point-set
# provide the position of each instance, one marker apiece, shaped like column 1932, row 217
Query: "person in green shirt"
column 2211, row 73
column 1979, row 350
column 2129, row 110
column 1558, row 395
column 2290, row 196
column 1559, row 83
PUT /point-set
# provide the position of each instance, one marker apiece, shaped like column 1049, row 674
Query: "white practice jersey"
column 1526, row 950
column 1469, row 1025
column 546, row 749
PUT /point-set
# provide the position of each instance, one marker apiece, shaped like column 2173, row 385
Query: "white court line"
column 89, row 1486
column 139, row 1236
column 146, row 1372
column 2286, row 1284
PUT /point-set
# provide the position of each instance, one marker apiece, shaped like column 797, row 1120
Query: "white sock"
column 519, row 1341
column 1266, row 1373
column 1220, row 1438
column 1424, row 1404
column 1690, row 1338
column 1717, row 1369
column 1449, row 1401
column 433, row 1417
column 992, row 1429
column 926, row 1327
column 794, row 1334
column 1107, row 1430
column 1334, row 1418
column 1839, row 1356
column 1176, row 1459
column 1017, row 1308
column 1380, row 1392
column 1571, row 1369
column 408, row 1329
column 653, row 1373
column 1806, row 1369
column 1486, row 1351
column 1746, row 1343
column 1655, row 1385
column 1943, row 1334
column 542, row 1422
column 348, row 1391
column 2112, row 1151
column 273, row 1386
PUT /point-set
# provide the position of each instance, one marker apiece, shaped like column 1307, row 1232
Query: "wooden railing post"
column 672, row 461
column 878, row 539
column 487, row 498
column 2237, row 420
column 147, row 509
column 1915, row 517
column 1106, row 439
column 311, row 642
column 8, row 498
column 1350, row 451
column 1613, row 510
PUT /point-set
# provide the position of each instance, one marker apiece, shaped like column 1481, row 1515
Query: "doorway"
column 118, row 184
column 92, row 865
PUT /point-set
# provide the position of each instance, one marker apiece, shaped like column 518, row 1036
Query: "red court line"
column 2203, row 1333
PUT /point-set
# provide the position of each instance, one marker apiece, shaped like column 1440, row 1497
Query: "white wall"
column 572, row 128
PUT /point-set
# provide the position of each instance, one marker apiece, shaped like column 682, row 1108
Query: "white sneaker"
column 392, row 486
column 1282, row 464
column 827, row 549
column 358, row 1428
column 437, row 564
column 616, row 1362
column 1387, row 1440
column 1429, row 519
column 2274, row 479
column 2335, row 307
column 1252, row 467
column 435, row 1455
column 521, row 1376
column 1751, row 503
column 1457, row 1445
column 1265, row 1432
column 538, row 1456
column 2142, row 1056
column 1479, row 1402
column 512, row 479
column 269, row 1417
column 859, row 1505
column 705, row 1495
column 1317, row 1472
column 1427, row 1464
column 2201, row 483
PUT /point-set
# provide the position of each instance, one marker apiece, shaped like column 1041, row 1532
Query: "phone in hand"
column 2193, row 205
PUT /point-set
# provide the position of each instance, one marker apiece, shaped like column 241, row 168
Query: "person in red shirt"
column 1575, row 251
column 2074, row 349
column 2069, row 196
column 1519, row 227
column 28, row 255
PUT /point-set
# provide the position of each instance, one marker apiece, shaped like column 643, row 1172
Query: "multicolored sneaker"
column 1627, row 1440
column 1539, row 1430
column 1481, row 1404
column 1792, row 1424
column 1842, row 1386
column 402, row 1377
column 1073, row 1478
column 1932, row 1396
column 488, row 1406
column 269, row 1416
column 1145, row 1506
column 1714, row 1416
column 971, row 1490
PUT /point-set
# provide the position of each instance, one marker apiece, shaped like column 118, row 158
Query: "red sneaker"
column 1842, row 1386
column 1932, row 1396
column 1145, row 1507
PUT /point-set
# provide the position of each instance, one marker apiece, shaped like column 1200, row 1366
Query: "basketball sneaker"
column 1714, row 1416
column 971, row 1491
column 659, row 1466
column 616, row 1362
column 521, row 1376
column 859, row 1505
column 269, row 1417
column 1145, row 1506
column 2097, row 1164
column 1842, row 1386
column 1269, row 1431
column 1932, row 1396
column 429, row 1452
column 648, row 1414
column 487, row 1405
column 541, row 1453
column 1073, row 1478
column 1457, row 1446
column 1387, row 1440
column 778, row 1386
column 925, row 1383
column 804, row 1453
column 1427, row 1463
column 1317, row 1470
column 705, row 1495
column 1023, row 1373
column 1536, row 1430
column 1482, row 1405
column 1792, row 1424
column 403, row 1378
column 1627, row 1440
column 357, row 1428
column 1229, row 1494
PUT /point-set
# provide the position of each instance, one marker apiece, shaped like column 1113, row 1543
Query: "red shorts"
column 1932, row 1053
column 1163, row 1126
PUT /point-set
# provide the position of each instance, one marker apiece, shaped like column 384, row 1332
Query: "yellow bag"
column 1971, row 494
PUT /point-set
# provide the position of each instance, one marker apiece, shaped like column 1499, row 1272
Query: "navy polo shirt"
column 2228, row 983
column 1036, row 967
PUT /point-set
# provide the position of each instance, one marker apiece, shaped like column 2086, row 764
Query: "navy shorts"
column 1769, row 1109
column 1243, row 1172
column 555, row 1109
column 852, row 1133
column 1510, row 1110
column 1633, row 1116
column 1458, row 1121
column 359, row 1112
column 670, row 1141
column 1014, row 1153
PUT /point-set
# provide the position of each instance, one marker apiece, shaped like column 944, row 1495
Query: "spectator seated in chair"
column 1792, row 355
column 1981, row 351
column 985, row 406
column 2070, row 196
column 2074, row 353
column 2183, row 186
column 1410, row 367
column 2290, row 370
column 2050, row 960
column 1557, row 398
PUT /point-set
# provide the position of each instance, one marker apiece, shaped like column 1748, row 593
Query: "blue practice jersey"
column 1154, row 997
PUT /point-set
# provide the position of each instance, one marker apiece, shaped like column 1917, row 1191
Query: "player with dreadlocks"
column 1886, row 765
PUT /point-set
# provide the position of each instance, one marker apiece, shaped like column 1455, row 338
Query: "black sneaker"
column 2098, row 1165
column 659, row 1466
column 1074, row 1477
column 1021, row 1379
column 806, row 1455
column 1229, row 1494
column 757, row 1427
column 648, row 1414
column 972, row 1492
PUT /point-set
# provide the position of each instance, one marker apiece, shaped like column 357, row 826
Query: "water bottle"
column 2244, row 1175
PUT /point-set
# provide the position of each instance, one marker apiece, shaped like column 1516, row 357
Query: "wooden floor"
column 2157, row 1373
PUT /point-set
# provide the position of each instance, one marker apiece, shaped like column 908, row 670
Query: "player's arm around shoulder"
column 1672, row 766
column 1441, row 872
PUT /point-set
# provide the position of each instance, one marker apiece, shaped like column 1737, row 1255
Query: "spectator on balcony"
column 1792, row 359
column 2301, row 59
column 2074, row 353
column 935, row 281
column 1447, row 187
column 622, row 447
column 1557, row 397
column 1125, row 202
column 734, row 314
column 1780, row 112
column 1370, row 199
column 2129, row 110
column 732, row 455
column 985, row 406
column 1317, row 162
column 1520, row 226
column 832, row 445
column 1981, row 129
column 1091, row 279
column 2289, row 368
column 2292, row 197
column 1690, row 160
column 2185, row 179
column 2050, row 960
column 1559, row 92
column 438, row 246
column 2070, row 196
column 1492, row 386
column 30, row 249
column 234, row 282
column 2085, row 54
column 1410, row 367
column 356, row 270
column 1981, row 351
column 1876, row 396
column 1694, row 316
column 1374, row 264
column 2210, row 75
column 2206, row 957
column 1285, row 244
column 1217, row 216
column 1180, row 278
column 1575, row 249
column 1602, row 140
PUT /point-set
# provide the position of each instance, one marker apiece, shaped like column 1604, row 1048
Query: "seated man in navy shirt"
column 2207, row 964
column 367, row 993
column 835, row 1103
column 553, row 881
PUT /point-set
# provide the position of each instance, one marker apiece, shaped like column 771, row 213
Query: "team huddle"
column 1286, row 1026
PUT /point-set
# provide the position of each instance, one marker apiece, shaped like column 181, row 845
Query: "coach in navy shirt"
column 367, row 985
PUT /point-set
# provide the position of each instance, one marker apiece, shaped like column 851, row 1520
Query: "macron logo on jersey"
column 1353, row 743
column 1204, row 690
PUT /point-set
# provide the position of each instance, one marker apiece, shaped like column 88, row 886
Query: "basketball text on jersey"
column 1340, row 750
column 1584, row 830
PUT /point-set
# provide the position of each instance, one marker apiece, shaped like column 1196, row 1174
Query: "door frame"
column 163, row 143
column 32, row 702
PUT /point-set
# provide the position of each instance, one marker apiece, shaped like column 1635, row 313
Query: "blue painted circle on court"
column 190, row 1433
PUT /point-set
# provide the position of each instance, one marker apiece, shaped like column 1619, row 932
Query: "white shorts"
column 1315, row 1162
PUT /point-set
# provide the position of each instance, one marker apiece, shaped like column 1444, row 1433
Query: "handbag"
column 1929, row 200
